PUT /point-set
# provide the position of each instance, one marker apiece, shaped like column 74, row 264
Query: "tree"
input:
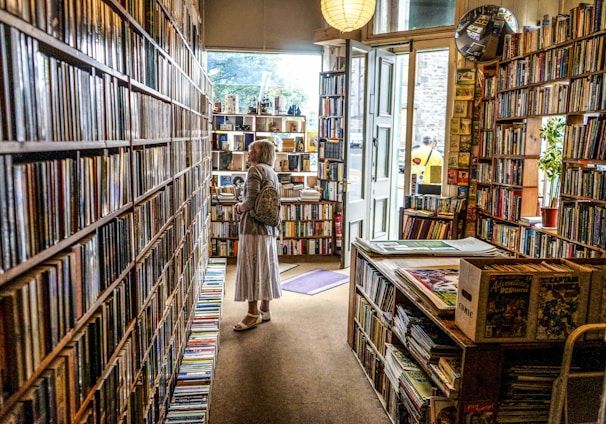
column 244, row 73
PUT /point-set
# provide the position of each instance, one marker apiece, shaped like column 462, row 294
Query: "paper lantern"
column 347, row 15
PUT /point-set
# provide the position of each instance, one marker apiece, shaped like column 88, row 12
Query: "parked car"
column 356, row 140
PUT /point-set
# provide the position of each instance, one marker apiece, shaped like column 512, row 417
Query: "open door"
column 369, row 145
column 381, row 121
column 357, row 146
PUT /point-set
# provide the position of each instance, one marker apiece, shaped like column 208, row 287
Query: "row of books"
column 586, row 140
column 331, row 127
column 332, row 84
column 510, row 140
column 582, row 20
column 538, row 244
column 331, row 190
column 379, row 290
column 375, row 329
column 332, row 106
column 151, row 215
column 224, row 229
column 370, row 360
column 307, row 211
column 58, row 100
column 306, row 229
column 584, row 183
column 509, row 171
column 152, row 167
column 587, row 94
column 593, row 217
column 549, row 100
column 440, row 205
column 328, row 170
column 501, row 233
column 538, row 68
column 513, row 103
column 316, row 246
column 189, row 402
column 419, row 228
column 330, row 148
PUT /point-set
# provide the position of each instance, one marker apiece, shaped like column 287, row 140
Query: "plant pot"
column 550, row 217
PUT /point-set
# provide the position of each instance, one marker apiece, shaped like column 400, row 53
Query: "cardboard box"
column 596, row 305
column 521, row 300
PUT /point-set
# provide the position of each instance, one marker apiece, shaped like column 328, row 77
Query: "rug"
column 286, row 267
column 315, row 281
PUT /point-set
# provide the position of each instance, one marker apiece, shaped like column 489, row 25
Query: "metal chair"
column 559, row 394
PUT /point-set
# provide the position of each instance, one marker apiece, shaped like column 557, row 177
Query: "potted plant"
column 550, row 162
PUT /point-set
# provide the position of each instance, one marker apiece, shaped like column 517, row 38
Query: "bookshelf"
column 431, row 217
column 549, row 70
column 388, row 324
column 105, row 169
column 331, row 138
column 296, row 154
column 307, row 228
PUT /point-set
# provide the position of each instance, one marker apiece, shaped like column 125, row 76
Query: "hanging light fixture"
column 347, row 15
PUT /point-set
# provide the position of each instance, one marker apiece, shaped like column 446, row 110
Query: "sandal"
column 266, row 316
column 243, row 327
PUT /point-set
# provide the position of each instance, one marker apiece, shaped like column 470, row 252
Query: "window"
column 252, row 76
column 405, row 15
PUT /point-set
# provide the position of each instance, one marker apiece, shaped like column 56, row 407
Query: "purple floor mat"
column 315, row 281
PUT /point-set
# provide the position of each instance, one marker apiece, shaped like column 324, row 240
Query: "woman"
column 257, row 270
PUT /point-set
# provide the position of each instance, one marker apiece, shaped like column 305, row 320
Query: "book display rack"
column 307, row 228
column 549, row 70
column 419, row 360
column 191, row 396
column 105, row 174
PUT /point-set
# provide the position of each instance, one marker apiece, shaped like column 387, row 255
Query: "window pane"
column 253, row 75
column 405, row 15
column 431, row 91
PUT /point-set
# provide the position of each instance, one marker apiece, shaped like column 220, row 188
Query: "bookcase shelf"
column 552, row 75
column 306, row 228
column 105, row 169
column 379, row 301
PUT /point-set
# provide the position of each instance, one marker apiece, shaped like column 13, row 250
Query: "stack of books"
column 309, row 195
column 190, row 398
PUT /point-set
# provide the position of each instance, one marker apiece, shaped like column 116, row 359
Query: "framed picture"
column 465, row 127
column 460, row 108
column 466, row 76
column 455, row 126
column 464, row 92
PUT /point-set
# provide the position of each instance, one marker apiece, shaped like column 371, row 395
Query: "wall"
column 262, row 25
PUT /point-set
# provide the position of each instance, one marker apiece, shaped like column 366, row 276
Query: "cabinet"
column 540, row 77
column 383, row 317
column 105, row 176
column 307, row 228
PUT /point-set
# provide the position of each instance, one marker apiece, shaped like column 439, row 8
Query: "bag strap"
column 428, row 156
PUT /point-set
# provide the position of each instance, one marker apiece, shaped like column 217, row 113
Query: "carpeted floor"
column 297, row 368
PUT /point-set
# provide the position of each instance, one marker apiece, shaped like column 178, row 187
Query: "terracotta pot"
column 550, row 217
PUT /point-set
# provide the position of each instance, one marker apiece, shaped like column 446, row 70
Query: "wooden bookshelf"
column 379, row 300
column 105, row 173
column 306, row 228
column 549, row 70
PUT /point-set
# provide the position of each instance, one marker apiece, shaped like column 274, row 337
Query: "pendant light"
column 348, row 15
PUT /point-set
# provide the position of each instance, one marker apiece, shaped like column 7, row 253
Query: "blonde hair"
column 266, row 151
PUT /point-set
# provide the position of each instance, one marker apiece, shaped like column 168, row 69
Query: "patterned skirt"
column 257, row 271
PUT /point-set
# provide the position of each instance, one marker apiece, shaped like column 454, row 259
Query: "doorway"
column 422, row 92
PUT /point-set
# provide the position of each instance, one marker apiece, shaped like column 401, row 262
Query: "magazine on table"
column 469, row 246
